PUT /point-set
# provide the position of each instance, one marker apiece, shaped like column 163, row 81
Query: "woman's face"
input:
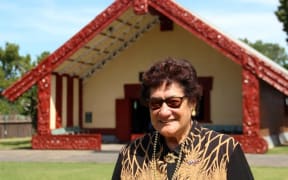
column 174, row 121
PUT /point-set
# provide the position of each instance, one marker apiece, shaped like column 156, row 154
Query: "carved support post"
column 44, row 92
column 250, row 89
column 251, row 141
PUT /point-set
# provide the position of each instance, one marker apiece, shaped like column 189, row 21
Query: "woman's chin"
column 167, row 131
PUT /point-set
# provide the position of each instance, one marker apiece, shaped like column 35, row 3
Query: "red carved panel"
column 77, row 142
column 267, row 71
column 43, row 108
column 251, row 140
column 252, row 144
column 250, row 104
column 140, row 6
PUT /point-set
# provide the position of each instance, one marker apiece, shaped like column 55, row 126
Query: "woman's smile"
column 167, row 121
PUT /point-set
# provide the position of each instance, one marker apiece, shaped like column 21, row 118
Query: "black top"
column 206, row 155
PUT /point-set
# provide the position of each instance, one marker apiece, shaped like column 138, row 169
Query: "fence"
column 12, row 126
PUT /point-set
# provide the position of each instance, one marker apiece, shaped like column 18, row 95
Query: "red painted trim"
column 252, row 144
column 43, row 106
column 70, row 101
column 80, row 103
column 140, row 7
column 59, row 87
column 251, row 140
column 250, row 98
column 76, row 142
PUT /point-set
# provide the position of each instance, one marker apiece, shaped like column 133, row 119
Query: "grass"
column 270, row 173
column 15, row 143
column 87, row 171
column 278, row 150
column 55, row 171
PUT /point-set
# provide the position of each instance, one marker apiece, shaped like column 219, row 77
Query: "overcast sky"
column 44, row 25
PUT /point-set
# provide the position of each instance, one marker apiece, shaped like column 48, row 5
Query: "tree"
column 12, row 67
column 271, row 50
column 12, row 64
column 282, row 15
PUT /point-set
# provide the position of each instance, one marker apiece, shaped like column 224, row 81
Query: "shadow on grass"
column 15, row 144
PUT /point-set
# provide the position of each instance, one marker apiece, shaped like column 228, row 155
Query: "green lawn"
column 278, row 150
column 270, row 173
column 55, row 171
column 15, row 143
column 87, row 171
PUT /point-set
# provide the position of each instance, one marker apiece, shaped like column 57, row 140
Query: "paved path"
column 109, row 154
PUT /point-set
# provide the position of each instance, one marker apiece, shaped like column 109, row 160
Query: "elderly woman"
column 179, row 148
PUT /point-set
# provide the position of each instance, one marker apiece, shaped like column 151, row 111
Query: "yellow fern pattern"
column 206, row 156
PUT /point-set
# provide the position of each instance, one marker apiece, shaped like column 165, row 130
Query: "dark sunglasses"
column 172, row 102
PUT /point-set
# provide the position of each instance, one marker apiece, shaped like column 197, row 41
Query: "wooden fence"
column 12, row 126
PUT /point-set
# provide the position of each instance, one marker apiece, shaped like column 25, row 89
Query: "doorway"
column 140, row 118
column 132, row 117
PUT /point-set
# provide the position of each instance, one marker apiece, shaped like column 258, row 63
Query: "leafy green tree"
column 12, row 64
column 271, row 50
column 12, row 67
column 282, row 15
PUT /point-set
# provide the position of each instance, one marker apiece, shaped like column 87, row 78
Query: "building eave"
column 241, row 54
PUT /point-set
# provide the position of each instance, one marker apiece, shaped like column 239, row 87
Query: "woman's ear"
column 193, row 108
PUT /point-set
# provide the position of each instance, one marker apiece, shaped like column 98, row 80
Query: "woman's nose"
column 164, row 110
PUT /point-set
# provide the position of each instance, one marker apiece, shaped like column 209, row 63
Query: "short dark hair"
column 171, row 70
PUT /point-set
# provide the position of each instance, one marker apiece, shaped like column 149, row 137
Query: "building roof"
column 121, row 24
